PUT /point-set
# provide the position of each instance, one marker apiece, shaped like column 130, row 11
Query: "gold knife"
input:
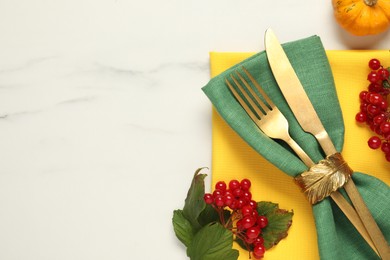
column 307, row 117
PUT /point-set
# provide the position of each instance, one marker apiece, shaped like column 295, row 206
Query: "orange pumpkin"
column 362, row 17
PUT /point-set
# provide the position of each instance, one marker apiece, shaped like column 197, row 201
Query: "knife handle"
column 378, row 240
column 353, row 217
column 367, row 219
column 340, row 201
column 325, row 142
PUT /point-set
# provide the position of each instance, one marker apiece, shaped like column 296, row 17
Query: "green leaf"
column 279, row 221
column 209, row 214
column 194, row 203
column 182, row 227
column 265, row 207
column 241, row 243
column 385, row 84
column 212, row 242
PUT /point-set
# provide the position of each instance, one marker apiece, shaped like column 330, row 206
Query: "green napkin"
column 337, row 238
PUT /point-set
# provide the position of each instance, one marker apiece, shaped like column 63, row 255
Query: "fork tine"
column 263, row 105
column 259, row 88
column 247, row 97
column 242, row 102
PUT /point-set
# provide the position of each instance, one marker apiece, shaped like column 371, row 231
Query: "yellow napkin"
column 232, row 158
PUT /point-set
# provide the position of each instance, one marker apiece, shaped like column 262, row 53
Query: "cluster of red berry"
column 374, row 107
column 245, row 221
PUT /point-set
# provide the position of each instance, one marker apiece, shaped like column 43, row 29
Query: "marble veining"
column 102, row 117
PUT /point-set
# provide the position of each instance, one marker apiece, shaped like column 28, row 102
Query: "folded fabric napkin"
column 337, row 238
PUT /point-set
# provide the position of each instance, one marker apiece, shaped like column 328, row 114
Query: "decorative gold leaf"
column 324, row 178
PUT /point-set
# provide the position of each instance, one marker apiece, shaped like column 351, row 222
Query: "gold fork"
column 274, row 124
column 265, row 114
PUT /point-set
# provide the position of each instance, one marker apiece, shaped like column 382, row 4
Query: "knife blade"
column 297, row 99
column 307, row 117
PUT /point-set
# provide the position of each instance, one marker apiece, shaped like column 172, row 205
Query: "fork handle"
column 368, row 220
column 381, row 246
column 345, row 207
column 353, row 217
column 299, row 151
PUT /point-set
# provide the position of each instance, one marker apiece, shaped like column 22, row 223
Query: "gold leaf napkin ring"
column 325, row 177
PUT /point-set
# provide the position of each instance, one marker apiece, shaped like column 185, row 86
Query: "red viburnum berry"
column 245, row 184
column 374, row 142
column 262, row 221
column 373, row 77
column 374, row 64
column 221, row 185
column 258, row 251
column 234, row 184
column 208, row 198
column 253, row 232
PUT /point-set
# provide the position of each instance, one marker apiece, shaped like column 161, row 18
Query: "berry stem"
column 221, row 216
column 229, row 221
column 242, row 237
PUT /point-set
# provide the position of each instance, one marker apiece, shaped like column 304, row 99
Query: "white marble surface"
column 102, row 117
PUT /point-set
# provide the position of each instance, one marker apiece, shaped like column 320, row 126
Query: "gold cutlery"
column 266, row 115
column 274, row 124
column 307, row 117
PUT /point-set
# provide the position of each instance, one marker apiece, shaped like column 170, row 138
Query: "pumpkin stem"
column 370, row 2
